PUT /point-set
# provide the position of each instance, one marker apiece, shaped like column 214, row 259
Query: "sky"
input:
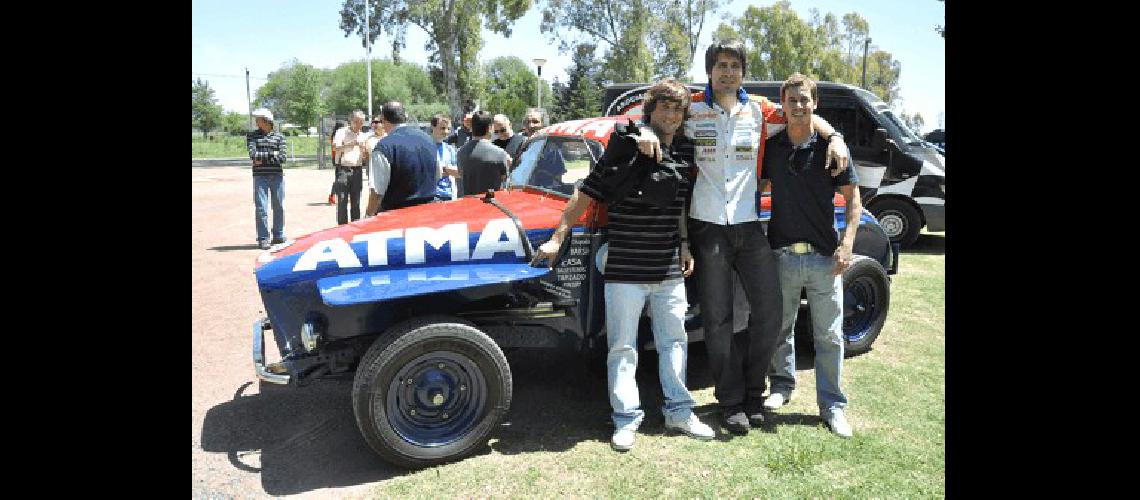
column 230, row 36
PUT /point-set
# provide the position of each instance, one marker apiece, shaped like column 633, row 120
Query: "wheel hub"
column 892, row 223
column 436, row 398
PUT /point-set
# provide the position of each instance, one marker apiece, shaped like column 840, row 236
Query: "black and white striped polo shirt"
column 644, row 239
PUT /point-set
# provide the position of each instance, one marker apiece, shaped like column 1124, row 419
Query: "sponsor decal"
column 705, row 133
column 743, row 149
column 416, row 240
column 704, row 142
column 745, row 158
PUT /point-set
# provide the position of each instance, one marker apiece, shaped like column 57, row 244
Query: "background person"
column 505, row 138
column 446, row 188
column 482, row 165
column 351, row 148
column 404, row 171
column 267, row 151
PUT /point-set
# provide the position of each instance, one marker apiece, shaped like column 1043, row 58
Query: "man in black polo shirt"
column 647, row 260
column 403, row 171
column 803, row 234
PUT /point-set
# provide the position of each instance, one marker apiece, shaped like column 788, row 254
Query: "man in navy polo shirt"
column 404, row 168
column 810, row 255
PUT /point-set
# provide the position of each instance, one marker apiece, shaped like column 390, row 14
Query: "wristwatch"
column 834, row 135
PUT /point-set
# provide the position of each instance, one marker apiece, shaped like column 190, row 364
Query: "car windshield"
column 555, row 163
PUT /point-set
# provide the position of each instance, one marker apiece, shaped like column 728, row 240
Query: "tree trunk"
column 448, row 52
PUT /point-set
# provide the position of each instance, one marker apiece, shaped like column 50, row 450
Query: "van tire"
column 899, row 219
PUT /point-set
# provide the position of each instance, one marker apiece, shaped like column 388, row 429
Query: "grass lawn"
column 556, row 440
column 229, row 146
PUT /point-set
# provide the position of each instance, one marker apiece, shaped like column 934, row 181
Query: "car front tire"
column 430, row 390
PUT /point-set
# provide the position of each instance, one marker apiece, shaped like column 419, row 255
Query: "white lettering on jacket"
column 415, row 241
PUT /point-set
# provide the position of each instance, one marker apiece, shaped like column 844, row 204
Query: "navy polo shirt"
column 803, row 192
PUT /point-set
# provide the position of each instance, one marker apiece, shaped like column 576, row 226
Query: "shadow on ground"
column 928, row 244
column 307, row 437
column 228, row 248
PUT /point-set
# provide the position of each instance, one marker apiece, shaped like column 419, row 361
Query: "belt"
column 800, row 248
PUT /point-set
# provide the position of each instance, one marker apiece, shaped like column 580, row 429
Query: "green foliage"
column 643, row 39
column 453, row 28
column 293, row 93
column 407, row 83
column 235, row 123
column 206, row 113
column 511, row 86
column 424, row 112
column 825, row 48
column 581, row 96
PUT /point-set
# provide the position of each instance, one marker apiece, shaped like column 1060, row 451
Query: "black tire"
column 866, row 300
column 899, row 219
column 461, row 370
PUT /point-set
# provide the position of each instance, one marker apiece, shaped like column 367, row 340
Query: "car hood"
column 417, row 250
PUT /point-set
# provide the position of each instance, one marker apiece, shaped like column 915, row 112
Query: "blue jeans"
column 667, row 306
column 266, row 188
column 811, row 271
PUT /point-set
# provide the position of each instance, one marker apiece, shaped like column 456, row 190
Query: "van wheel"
column 866, row 299
column 430, row 390
column 899, row 220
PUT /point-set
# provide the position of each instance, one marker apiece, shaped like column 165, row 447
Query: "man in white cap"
column 267, row 150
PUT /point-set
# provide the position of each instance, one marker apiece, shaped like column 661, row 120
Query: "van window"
column 854, row 123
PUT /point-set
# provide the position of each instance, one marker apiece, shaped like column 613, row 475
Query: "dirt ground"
column 247, row 439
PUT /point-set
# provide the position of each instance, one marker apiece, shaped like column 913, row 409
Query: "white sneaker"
column 693, row 428
column 775, row 401
column 838, row 423
column 622, row 440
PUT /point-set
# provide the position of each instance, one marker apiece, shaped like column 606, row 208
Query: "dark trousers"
column 738, row 368
column 355, row 183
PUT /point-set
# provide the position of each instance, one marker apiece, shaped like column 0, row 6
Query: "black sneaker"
column 277, row 240
column 735, row 420
column 755, row 411
column 263, row 244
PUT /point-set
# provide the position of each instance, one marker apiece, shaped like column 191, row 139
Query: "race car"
column 421, row 301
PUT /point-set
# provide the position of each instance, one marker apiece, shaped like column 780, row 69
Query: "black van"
column 902, row 178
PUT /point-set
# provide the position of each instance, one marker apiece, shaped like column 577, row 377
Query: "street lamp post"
column 538, row 84
column 368, row 58
column 866, row 44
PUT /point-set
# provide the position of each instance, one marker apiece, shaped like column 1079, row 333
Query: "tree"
column 623, row 26
column 674, row 40
column 883, row 73
column 581, row 96
column 294, row 93
column 408, row 83
column 511, row 87
column 780, row 42
column 826, row 48
column 206, row 113
column 938, row 28
column 913, row 122
column 234, row 123
column 453, row 28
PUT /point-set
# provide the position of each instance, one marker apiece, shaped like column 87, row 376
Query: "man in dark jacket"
column 403, row 171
